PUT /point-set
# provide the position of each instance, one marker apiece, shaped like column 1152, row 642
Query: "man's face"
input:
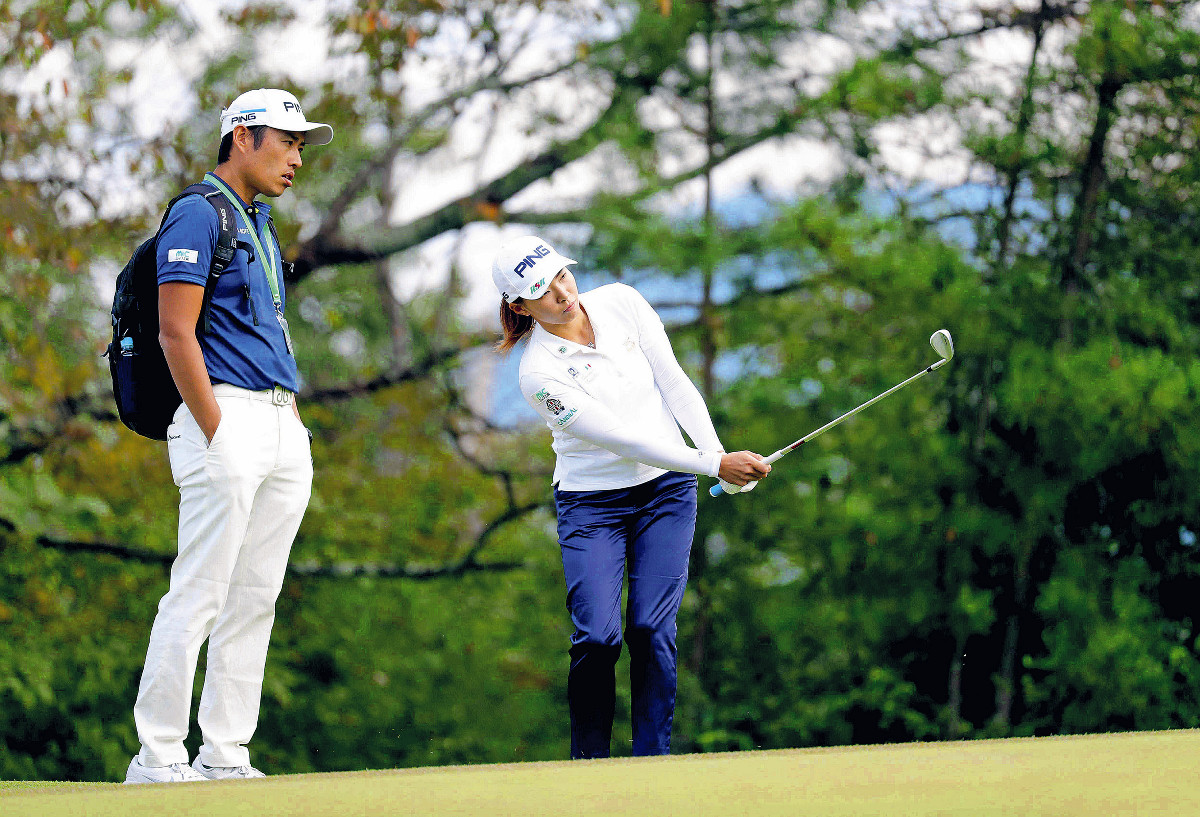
column 272, row 166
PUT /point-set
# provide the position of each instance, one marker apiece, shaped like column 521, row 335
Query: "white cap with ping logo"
column 277, row 109
column 524, row 266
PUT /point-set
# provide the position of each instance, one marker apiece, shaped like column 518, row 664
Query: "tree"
column 975, row 558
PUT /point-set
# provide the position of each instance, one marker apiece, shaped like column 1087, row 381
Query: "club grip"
column 715, row 490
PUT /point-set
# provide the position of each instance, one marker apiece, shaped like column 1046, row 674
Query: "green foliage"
column 68, row 661
column 1006, row 547
column 1110, row 657
column 877, row 89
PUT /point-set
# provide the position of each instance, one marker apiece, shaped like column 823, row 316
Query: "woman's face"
column 560, row 304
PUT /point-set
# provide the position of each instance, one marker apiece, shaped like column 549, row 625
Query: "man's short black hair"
column 259, row 131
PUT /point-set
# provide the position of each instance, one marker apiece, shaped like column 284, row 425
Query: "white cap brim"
column 316, row 133
column 538, row 288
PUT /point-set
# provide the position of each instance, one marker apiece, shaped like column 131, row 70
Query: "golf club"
column 941, row 342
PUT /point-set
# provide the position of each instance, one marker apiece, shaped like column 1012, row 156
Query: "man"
column 238, row 450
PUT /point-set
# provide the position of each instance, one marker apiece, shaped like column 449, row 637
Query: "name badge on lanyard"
column 287, row 335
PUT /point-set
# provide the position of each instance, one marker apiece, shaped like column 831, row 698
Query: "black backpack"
column 142, row 384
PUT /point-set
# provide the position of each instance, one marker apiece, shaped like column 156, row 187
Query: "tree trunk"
column 1091, row 180
column 708, row 351
column 955, row 727
column 397, row 321
column 1006, row 682
column 1024, row 118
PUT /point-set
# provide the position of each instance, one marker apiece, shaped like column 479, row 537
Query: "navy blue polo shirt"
column 246, row 346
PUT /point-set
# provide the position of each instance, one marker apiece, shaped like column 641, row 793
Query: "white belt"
column 278, row 396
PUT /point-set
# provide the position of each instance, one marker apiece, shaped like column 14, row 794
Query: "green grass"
column 1137, row 773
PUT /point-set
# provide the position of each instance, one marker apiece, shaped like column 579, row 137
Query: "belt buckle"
column 280, row 396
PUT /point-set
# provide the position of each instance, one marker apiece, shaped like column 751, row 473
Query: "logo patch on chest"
column 586, row 376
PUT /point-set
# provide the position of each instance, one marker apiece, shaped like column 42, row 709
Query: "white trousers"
column 241, row 499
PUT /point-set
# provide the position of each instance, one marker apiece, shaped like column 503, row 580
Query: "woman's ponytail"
column 515, row 326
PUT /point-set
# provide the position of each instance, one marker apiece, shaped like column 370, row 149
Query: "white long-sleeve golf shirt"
column 615, row 411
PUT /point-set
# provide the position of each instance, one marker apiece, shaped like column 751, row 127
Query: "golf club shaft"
column 716, row 489
column 851, row 413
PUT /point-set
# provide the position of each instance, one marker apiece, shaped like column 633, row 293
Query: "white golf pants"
column 242, row 497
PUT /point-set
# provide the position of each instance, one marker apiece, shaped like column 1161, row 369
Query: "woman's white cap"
column 279, row 110
column 524, row 266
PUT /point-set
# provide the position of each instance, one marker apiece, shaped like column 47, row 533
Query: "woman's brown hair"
column 515, row 326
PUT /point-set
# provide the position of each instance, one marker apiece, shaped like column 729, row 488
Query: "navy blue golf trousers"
column 648, row 528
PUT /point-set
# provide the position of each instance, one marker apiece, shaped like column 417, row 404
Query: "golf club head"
column 942, row 343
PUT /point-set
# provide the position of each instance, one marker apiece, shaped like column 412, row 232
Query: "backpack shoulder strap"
column 227, row 241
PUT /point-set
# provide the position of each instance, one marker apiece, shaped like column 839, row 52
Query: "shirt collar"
column 559, row 347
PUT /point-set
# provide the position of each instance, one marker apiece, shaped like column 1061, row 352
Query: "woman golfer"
column 600, row 371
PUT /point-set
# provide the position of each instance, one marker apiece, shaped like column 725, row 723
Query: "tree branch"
column 993, row 20
column 322, row 249
column 382, row 161
column 386, row 380
column 307, row 569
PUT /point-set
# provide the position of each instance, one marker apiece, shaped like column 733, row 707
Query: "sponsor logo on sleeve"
column 183, row 256
column 554, row 404
column 540, row 395
column 566, row 418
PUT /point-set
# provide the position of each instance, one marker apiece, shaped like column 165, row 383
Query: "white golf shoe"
column 225, row 772
column 175, row 773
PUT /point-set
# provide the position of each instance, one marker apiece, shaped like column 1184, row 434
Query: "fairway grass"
column 1136, row 773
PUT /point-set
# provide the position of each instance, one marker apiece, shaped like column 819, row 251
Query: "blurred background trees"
column 806, row 190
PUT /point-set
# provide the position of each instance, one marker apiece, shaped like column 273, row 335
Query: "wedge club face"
column 942, row 343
